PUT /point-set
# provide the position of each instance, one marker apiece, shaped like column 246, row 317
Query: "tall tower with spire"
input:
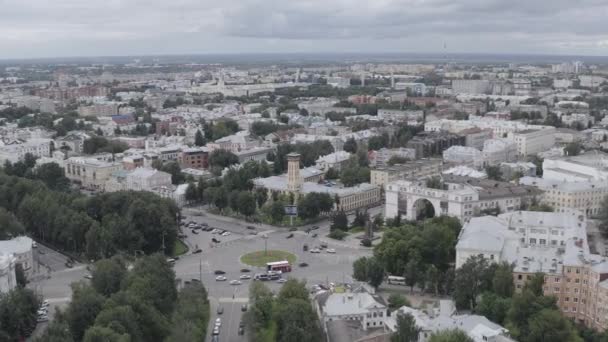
column 294, row 181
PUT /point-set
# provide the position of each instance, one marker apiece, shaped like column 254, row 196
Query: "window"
column 557, row 280
column 519, row 277
column 533, row 241
column 556, row 289
column 575, row 300
column 578, row 271
column 567, row 299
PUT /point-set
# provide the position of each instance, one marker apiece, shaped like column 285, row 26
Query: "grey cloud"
column 561, row 26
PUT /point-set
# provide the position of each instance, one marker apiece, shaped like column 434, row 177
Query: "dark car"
column 194, row 231
column 220, row 310
column 241, row 331
column 323, row 245
column 293, row 229
column 315, row 227
column 241, row 324
column 305, row 248
column 244, row 307
column 69, row 264
column 219, row 272
column 245, row 270
column 250, row 227
column 215, row 240
column 303, row 264
column 289, row 236
column 315, row 235
column 194, row 280
column 196, row 251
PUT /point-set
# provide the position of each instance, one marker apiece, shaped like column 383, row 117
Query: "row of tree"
column 17, row 314
column 141, row 304
column 289, row 316
column 488, row 290
column 51, row 174
column 95, row 226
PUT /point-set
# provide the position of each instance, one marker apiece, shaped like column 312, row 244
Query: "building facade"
column 90, row 173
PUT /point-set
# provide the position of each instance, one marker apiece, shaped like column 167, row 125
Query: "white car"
column 45, row 304
column 235, row 282
column 282, row 280
column 331, row 251
column 221, row 278
column 214, row 231
column 245, row 276
column 41, row 319
column 225, row 233
column 315, row 250
column 218, row 323
column 42, row 312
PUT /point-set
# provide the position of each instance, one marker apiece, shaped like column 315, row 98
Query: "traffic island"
column 261, row 258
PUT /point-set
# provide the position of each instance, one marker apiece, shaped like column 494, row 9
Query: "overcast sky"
column 58, row 28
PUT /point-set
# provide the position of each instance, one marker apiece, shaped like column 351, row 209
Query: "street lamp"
column 265, row 237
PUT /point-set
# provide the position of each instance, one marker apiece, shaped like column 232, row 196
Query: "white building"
column 395, row 115
column 333, row 161
column 460, row 197
column 20, row 248
column 8, row 278
column 533, row 141
column 591, row 81
column 90, row 173
column 140, row 179
column 471, row 86
column 590, row 166
column 16, row 151
column 496, row 151
column 362, row 307
column 528, row 239
column 585, row 196
column 463, row 155
column 477, row 327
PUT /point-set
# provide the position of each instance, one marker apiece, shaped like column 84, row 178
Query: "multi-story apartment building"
column 586, row 196
column 551, row 243
column 99, row 109
column 532, row 141
column 20, row 248
column 8, row 277
column 16, row 150
column 471, row 86
column 415, row 169
column 90, row 173
column 139, row 179
column 194, row 158
column 459, row 197
column 428, row 144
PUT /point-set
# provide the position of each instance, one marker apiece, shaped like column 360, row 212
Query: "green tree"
column 375, row 272
column 222, row 158
column 191, row 316
column 413, row 272
column 297, row 321
column 192, row 193
column 350, row 145
column 85, row 305
column 454, row 335
column 53, row 176
column 360, row 269
column 277, row 211
column 173, row 168
column 108, row 275
column 103, row 334
column 494, row 173
column 261, row 196
column 293, row 289
column 121, row 318
column 493, row 307
column 550, row 325
column 536, row 283
column 246, row 203
column 10, row 226
column 407, row 330
column 339, row 221
column 472, row 278
column 395, row 301
column 199, row 139
column 573, row 149
column 502, row 282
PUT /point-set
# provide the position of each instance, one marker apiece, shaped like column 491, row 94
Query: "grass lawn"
column 179, row 248
column 260, row 259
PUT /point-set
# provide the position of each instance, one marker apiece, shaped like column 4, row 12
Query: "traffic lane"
column 50, row 258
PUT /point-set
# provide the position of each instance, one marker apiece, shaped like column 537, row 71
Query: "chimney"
column 294, row 181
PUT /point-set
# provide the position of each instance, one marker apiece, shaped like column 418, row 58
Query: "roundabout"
column 260, row 258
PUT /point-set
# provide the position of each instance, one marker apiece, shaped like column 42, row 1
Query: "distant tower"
column 294, row 182
column 298, row 74
column 363, row 78
column 392, row 80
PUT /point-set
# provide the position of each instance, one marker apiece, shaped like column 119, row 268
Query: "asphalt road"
column 323, row 267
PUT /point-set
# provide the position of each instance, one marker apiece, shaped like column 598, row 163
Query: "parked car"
column 315, row 235
column 219, row 272
column 315, row 250
column 323, row 245
column 68, row 264
column 251, row 227
column 245, row 277
column 215, row 240
column 303, row 264
column 241, row 331
column 196, row 251
column 253, row 233
column 293, row 229
column 235, row 282
column 221, row 278
column 225, row 233
column 194, row 232
column 289, row 236
column 216, row 331
column 88, row 276
column 34, row 244
column 42, row 319
column 282, row 280
column 315, row 227
column 245, row 270
column 244, row 307
column 331, row 251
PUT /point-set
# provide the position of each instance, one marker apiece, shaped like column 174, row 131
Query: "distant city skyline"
column 66, row 28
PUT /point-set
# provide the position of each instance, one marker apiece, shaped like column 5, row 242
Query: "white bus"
column 395, row 280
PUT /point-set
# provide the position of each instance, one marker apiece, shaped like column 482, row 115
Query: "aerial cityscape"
column 391, row 171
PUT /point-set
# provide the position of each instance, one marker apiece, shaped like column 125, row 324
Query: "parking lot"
column 322, row 267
